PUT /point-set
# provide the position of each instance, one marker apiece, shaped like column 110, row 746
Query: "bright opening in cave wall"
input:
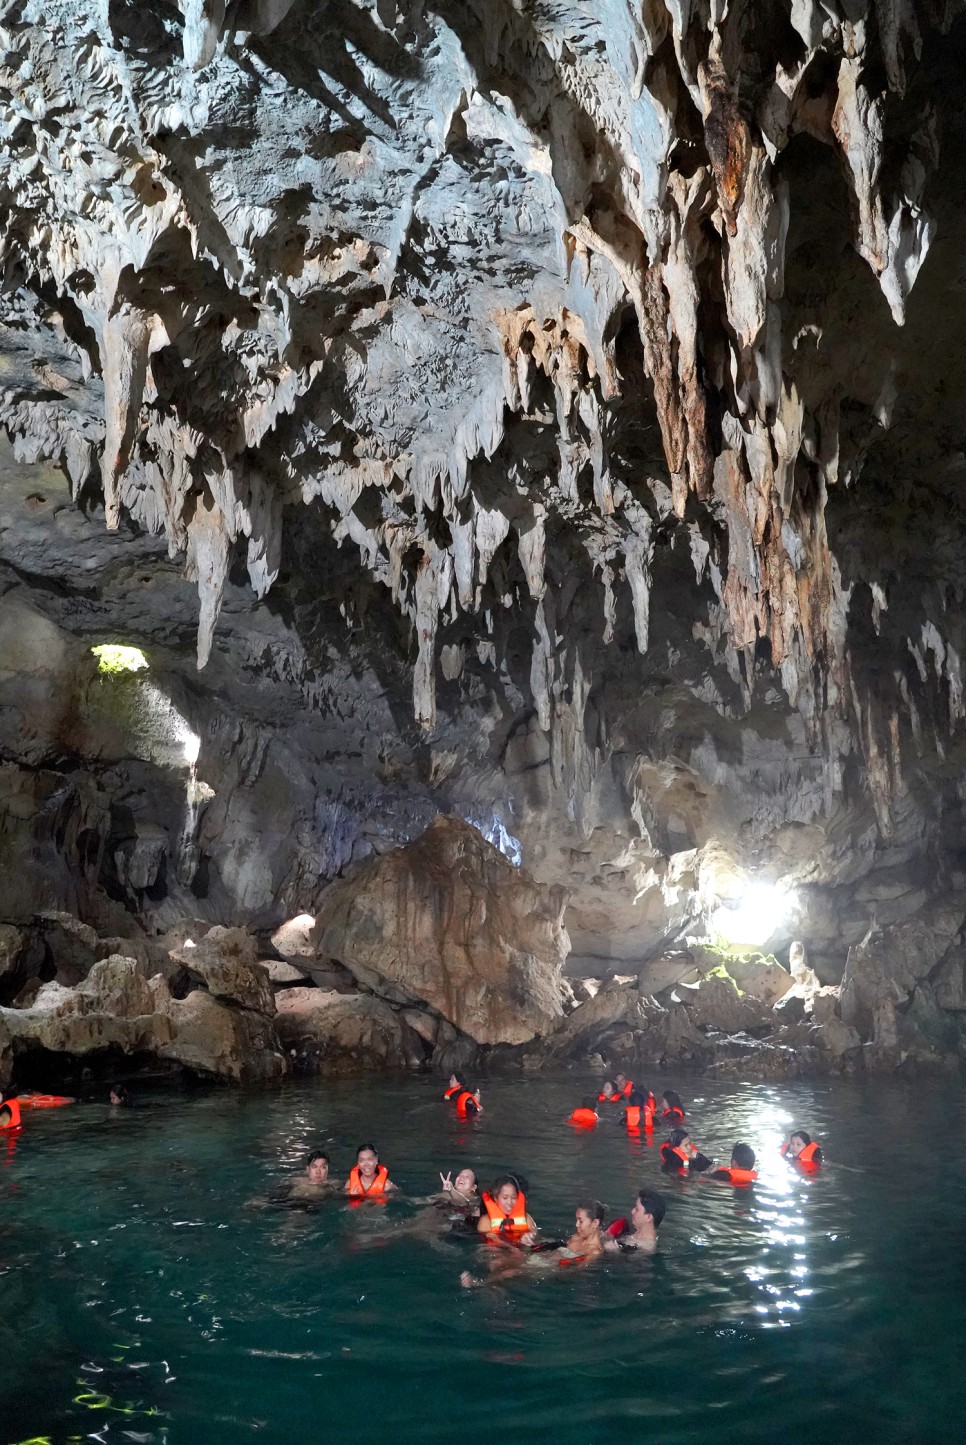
column 757, row 913
column 114, row 658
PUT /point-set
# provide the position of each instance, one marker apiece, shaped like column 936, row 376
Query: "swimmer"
column 315, row 1182
column 586, row 1242
column 586, row 1116
column 671, row 1107
column 468, row 1103
column 801, row 1150
column 120, row 1097
column 624, row 1085
column 638, row 1113
column 368, row 1179
column 645, row 1221
column 742, row 1168
column 680, row 1153
column 454, row 1087
column 461, row 1193
column 505, row 1219
column 9, row 1110
column 608, row 1093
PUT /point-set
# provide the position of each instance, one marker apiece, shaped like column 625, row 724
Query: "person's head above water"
column 798, row 1141
column 119, row 1094
column 466, row 1182
column 367, row 1160
column 455, row 1082
column 505, row 1191
column 608, row 1088
column 648, row 1210
column 317, row 1169
column 671, row 1100
column 742, row 1157
column 681, row 1139
column 637, row 1097
column 620, row 1080
column 589, row 1218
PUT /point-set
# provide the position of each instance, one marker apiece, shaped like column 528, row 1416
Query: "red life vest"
column 358, row 1190
column 676, row 1158
column 43, row 1101
column 807, row 1157
column 509, row 1226
column 674, row 1113
column 737, row 1176
column 461, row 1103
column 15, row 1120
column 587, row 1118
column 609, row 1098
column 628, row 1089
column 632, row 1116
column 449, row 1093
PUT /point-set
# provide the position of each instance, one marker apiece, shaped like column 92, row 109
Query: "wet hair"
column 678, row 1136
column 638, row 1097
column 372, row 1149
column 121, row 1093
column 588, row 1102
column 594, row 1210
column 498, row 1184
column 673, row 1099
column 653, row 1204
column 319, row 1154
column 800, row 1134
column 743, row 1156
column 468, row 1170
column 613, row 1086
column 620, row 1075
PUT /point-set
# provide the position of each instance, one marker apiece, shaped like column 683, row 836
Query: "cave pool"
column 145, row 1300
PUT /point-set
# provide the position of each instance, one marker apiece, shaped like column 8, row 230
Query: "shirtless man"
column 641, row 1231
column 315, row 1182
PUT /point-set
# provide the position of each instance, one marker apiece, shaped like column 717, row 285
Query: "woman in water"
column 679, row 1153
column 369, row 1179
column 671, row 1107
column 608, row 1093
column 504, row 1218
column 801, row 1150
column 585, row 1244
column 459, row 1196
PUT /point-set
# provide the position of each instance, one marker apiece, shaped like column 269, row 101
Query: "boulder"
column 761, row 977
column 294, row 938
column 716, row 1004
column 72, row 946
column 6, row 1056
column 225, row 961
column 282, row 974
column 116, row 1006
column 889, row 962
column 791, row 1008
column 948, row 980
column 340, row 1033
column 665, row 971
column 13, row 942
column 594, row 1017
column 449, row 920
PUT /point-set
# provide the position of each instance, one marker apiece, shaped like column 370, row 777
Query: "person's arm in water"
column 700, row 1162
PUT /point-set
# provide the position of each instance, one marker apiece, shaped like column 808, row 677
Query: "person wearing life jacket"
column 368, row 1179
column 671, row 1107
column 801, row 1150
column 680, row 1154
column 586, row 1116
column 625, row 1087
column 454, row 1088
column 608, row 1093
column 9, row 1111
column 637, row 1114
column 504, row 1219
column 742, row 1168
column 468, row 1103
column 640, row 1231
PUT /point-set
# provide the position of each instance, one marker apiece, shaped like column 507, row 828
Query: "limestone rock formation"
column 449, row 921
column 544, row 413
column 334, row 1033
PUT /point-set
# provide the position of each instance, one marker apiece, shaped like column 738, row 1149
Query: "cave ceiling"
column 550, row 410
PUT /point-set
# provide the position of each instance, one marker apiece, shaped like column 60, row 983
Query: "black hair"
column 653, row 1204
column 678, row 1136
column 800, row 1134
column 121, row 1092
column 458, row 1078
column 319, row 1154
column 594, row 1210
column 370, row 1147
column 743, row 1156
column 637, row 1097
column 588, row 1103
column 620, row 1074
column 673, row 1099
column 506, row 1179
column 476, row 1177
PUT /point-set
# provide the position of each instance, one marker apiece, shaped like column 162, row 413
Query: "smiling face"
column 367, row 1161
column 318, row 1171
column 507, row 1197
column 465, row 1182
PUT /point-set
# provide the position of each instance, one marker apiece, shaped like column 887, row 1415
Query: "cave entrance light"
column 755, row 915
column 113, row 657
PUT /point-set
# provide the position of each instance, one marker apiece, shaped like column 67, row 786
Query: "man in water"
column 641, row 1231
column 315, row 1182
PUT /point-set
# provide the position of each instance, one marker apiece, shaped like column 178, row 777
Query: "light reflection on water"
column 165, row 1309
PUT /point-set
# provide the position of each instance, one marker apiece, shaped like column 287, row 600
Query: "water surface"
column 144, row 1299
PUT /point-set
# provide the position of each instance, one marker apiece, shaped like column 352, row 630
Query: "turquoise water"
column 144, row 1299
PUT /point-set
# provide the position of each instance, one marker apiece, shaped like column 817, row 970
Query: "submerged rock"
column 449, row 920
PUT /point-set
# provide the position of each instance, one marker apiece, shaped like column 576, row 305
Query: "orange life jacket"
column 628, row 1089
column 585, row 1117
column 674, row 1113
column 608, row 1098
column 807, row 1157
column 43, row 1101
column 377, row 1187
column 510, row 1226
column 450, row 1093
column 738, row 1176
column 461, row 1103
column 675, row 1157
column 632, row 1116
column 15, row 1120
